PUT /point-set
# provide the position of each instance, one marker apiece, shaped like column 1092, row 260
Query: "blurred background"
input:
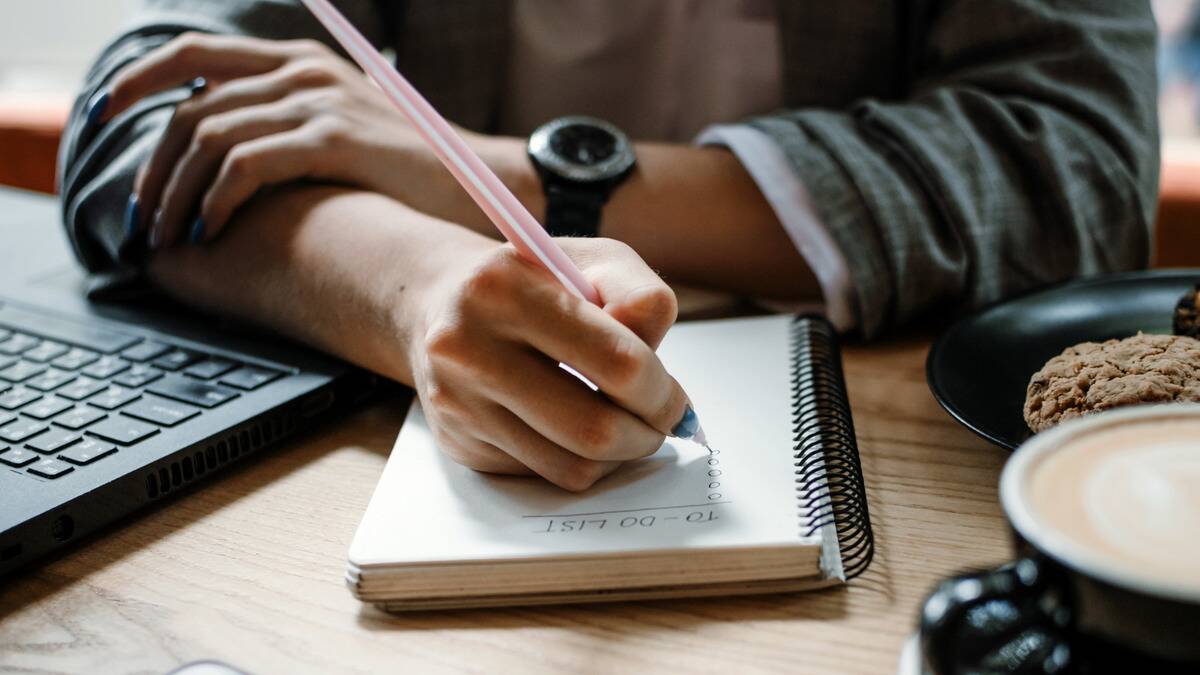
column 47, row 45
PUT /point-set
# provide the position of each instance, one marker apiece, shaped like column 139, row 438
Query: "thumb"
column 629, row 290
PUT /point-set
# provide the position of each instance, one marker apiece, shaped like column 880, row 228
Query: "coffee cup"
column 1105, row 517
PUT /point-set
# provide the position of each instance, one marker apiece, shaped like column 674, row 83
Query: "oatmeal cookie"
column 1187, row 314
column 1095, row 376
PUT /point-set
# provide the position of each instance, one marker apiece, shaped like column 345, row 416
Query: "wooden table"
column 249, row 570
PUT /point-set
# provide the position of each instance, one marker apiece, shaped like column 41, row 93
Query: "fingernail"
column 131, row 215
column 198, row 85
column 197, row 233
column 688, row 425
column 156, row 230
column 97, row 107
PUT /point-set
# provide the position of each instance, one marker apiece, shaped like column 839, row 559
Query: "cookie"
column 1095, row 376
column 1187, row 314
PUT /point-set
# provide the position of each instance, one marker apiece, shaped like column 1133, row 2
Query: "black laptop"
column 107, row 407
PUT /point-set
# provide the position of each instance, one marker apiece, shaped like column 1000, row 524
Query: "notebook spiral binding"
column 828, row 472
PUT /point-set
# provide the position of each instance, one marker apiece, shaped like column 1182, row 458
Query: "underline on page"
column 648, row 508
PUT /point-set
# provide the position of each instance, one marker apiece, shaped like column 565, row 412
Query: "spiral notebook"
column 778, row 504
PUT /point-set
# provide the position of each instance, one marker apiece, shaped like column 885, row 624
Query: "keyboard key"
column 50, row 380
column 113, row 397
column 81, row 389
column 86, row 335
column 47, row 351
column 16, row 397
column 87, row 452
column 106, row 367
column 5, row 418
column 52, row 441
column 145, row 351
column 46, row 408
column 78, row 418
column 21, row 430
column 138, row 376
column 177, row 359
column 75, row 359
column 250, row 377
column 17, row 343
column 161, row 411
column 51, row 468
column 21, row 371
column 207, row 370
column 192, row 391
column 123, row 430
column 18, row 457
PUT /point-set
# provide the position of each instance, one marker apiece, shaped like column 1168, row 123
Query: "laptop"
column 107, row 408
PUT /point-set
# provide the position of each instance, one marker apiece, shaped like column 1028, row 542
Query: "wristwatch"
column 580, row 160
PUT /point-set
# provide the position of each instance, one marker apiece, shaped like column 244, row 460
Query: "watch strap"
column 574, row 211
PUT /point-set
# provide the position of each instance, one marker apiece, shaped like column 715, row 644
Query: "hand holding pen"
column 453, row 347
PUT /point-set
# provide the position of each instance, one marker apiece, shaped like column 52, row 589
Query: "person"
column 888, row 159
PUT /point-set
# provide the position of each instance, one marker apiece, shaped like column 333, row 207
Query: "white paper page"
column 428, row 508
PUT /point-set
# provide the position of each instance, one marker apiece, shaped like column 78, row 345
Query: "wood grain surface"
column 248, row 570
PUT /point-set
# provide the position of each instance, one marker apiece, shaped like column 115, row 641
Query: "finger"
column 571, row 330
column 545, row 458
column 179, row 133
column 558, row 406
column 480, row 456
column 250, row 166
column 629, row 290
column 217, row 58
column 213, row 141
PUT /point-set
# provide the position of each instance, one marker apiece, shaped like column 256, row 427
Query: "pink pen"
column 513, row 220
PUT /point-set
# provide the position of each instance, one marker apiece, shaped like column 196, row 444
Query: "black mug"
column 1059, row 608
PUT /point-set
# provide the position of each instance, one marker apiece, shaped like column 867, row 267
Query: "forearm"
column 693, row 214
column 337, row 268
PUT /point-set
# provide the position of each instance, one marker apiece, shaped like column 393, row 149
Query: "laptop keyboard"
column 72, row 395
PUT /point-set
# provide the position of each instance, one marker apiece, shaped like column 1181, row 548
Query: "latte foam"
column 1128, row 495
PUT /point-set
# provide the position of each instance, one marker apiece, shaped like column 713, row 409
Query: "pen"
column 513, row 220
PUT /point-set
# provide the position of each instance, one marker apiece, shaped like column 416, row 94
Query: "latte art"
column 1129, row 495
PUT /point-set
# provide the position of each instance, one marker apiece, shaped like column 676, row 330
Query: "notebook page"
column 428, row 508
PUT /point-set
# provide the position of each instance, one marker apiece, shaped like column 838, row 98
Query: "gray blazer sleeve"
column 97, row 164
column 1025, row 151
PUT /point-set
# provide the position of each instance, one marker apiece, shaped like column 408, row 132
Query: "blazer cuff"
column 784, row 190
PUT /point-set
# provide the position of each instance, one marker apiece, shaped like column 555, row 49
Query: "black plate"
column 979, row 368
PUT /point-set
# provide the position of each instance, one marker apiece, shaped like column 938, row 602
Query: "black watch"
column 581, row 160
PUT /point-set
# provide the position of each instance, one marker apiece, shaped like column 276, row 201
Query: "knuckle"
column 580, row 474
column 597, row 433
column 309, row 46
column 210, row 135
column 310, row 73
column 626, row 360
column 239, row 163
column 447, row 342
column 187, row 46
column 332, row 132
column 658, row 304
column 491, row 282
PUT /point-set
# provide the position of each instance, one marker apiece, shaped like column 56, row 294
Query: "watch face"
column 582, row 148
column 583, row 144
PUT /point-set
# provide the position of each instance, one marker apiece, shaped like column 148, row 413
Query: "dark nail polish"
column 197, row 234
column 688, row 425
column 198, row 85
column 97, row 107
column 131, row 215
column 154, row 237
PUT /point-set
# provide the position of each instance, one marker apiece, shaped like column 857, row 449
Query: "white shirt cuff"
column 785, row 192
